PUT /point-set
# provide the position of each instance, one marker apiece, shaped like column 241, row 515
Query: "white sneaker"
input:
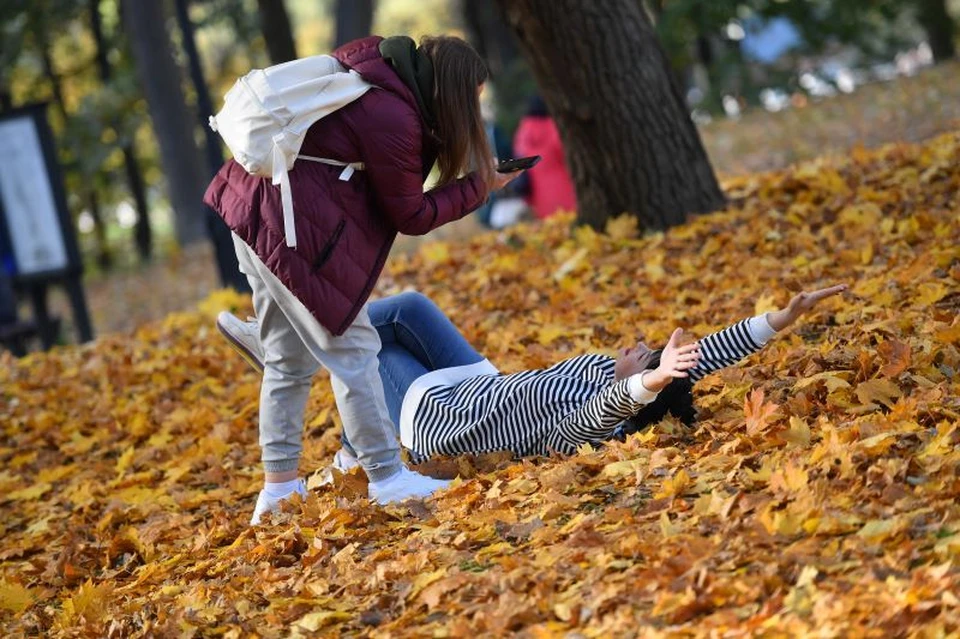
column 243, row 336
column 406, row 484
column 342, row 461
column 267, row 504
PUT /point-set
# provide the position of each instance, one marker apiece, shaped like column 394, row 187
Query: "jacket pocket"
column 324, row 255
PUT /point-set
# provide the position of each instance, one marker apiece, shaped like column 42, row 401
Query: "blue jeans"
column 416, row 338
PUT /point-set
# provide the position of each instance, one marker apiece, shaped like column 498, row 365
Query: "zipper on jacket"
column 328, row 249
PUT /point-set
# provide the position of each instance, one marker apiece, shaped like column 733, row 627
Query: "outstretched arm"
column 800, row 304
column 600, row 416
column 732, row 344
column 715, row 351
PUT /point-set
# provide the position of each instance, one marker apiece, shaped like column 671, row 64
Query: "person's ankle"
column 380, row 475
column 281, row 489
column 392, row 478
column 275, row 477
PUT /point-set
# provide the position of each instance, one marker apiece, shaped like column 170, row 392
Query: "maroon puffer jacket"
column 345, row 229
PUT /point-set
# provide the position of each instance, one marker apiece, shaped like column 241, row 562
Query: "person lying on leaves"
column 447, row 399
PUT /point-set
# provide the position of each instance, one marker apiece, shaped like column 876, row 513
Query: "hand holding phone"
column 519, row 164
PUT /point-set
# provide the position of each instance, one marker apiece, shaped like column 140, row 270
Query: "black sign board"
column 38, row 245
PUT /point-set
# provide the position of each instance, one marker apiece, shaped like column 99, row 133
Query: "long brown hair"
column 458, row 70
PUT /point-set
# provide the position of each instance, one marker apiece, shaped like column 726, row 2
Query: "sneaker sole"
column 248, row 356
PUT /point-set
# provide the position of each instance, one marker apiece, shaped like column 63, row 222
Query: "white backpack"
column 266, row 114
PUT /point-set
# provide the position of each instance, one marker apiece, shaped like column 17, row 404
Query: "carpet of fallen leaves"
column 818, row 494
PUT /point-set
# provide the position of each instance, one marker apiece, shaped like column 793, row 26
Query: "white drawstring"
column 282, row 178
column 348, row 167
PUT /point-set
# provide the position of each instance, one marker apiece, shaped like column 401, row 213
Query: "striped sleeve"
column 600, row 415
column 732, row 344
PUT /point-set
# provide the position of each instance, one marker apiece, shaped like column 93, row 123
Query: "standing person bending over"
column 445, row 398
column 310, row 299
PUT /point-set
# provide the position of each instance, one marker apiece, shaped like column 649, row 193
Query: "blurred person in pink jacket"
column 550, row 186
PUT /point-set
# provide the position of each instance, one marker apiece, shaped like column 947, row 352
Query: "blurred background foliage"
column 729, row 55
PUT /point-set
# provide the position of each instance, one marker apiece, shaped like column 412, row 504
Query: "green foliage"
column 874, row 29
column 94, row 118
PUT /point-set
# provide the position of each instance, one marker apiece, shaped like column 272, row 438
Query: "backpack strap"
column 282, row 178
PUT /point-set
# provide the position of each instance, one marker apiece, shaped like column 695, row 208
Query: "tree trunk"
column 104, row 257
column 489, row 34
column 226, row 257
column 510, row 75
column 940, row 28
column 275, row 24
column 143, row 234
column 354, row 19
column 47, row 61
column 173, row 122
column 630, row 143
column 6, row 99
column 142, row 231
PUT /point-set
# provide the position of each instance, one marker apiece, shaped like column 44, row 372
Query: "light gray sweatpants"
column 295, row 345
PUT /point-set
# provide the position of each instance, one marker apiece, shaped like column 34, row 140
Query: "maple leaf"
column 623, row 227
column 874, row 391
column 896, row 356
column 89, row 602
column 949, row 335
column 798, row 433
column 15, row 597
column 676, row 485
column 877, row 530
column 313, row 621
column 757, row 412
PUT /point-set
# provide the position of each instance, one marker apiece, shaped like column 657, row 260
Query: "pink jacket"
column 551, row 188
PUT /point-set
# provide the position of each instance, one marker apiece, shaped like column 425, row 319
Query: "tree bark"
column 629, row 140
column 940, row 27
column 489, row 34
column 275, row 24
column 510, row 76
column 142, row 234
column 6, row 99
column 354, row 19
column 226, row 257
column 173, row 122
column 142, row 231
column 104, row 257
column 46, row 61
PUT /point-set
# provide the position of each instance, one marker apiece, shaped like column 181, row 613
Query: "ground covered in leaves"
column 908, row 109
column 819, row 492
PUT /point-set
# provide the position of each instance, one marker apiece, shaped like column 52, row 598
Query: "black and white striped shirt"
column 475, row 409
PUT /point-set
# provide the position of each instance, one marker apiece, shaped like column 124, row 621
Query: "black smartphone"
column 520, row 164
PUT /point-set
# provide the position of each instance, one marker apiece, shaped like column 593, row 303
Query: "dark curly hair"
column 676, row 399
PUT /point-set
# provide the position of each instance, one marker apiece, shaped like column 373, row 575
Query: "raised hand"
column 675, row 361
column 500, row 180
column 800, row 304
